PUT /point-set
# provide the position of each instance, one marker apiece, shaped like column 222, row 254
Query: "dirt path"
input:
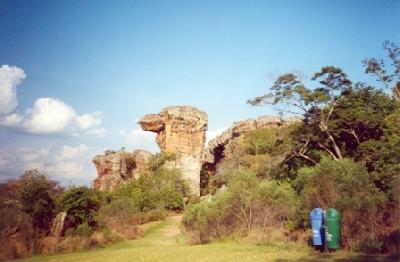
column 173, row 229
column 168, row 232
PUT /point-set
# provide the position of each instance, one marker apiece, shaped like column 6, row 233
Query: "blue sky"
column 84, row 72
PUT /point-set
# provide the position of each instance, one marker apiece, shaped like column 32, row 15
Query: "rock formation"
column 114, row 168
column 58, row 224
column 215, row 150
column 181, row 131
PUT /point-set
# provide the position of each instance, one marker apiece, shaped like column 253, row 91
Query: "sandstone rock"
column 181, row 131
column 141, row 161
column 216, row 146
column 113, row 168
column 58, row 224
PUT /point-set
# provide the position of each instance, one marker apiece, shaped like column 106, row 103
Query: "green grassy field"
column 164, row 242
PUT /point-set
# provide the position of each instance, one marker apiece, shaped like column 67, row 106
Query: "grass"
column 163, row 241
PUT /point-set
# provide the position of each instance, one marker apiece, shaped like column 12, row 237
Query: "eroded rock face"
column 181, row 131
column 214, row 152
column 58, row 224
column 113, row 168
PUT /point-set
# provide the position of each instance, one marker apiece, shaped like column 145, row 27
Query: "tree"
column 316, row 105
column 377, row 67
column 359, row 116
column 382, row 157
column 81, row 205
column 35, row 193
column 348, row 187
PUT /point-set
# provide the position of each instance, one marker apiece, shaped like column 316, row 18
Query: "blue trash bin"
column 317, row 226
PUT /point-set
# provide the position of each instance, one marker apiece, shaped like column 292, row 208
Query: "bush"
column 17, row 235
column 247, row 203
column 81, row 205
column 84, row 230
column 348, row 187
column 37, row 202
column 160, row 189
column 123, row 216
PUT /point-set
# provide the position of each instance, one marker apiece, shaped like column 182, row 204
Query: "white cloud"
column 53, row 116
column 140, row 139
column 16, row 161
column 211, row 134
column 67, row 170
column 64, row 164
column 73, row 164
column 68, row 152
column 31, row 155
column 5, row 159
column 11, row 120
column 138, row 136
column 4, row 163
column 48, row 115
column 10, row 78
column 88, row 121
column 97, row 132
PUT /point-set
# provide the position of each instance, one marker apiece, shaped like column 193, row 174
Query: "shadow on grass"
column 350, row 258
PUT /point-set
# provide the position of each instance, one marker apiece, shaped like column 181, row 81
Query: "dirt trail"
column 173, row 230
column 168, row 232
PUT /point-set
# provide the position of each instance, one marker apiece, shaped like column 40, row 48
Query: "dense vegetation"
column 93, row 218
column 345, row 154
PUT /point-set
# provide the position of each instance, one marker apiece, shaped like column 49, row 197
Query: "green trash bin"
column 332, row 223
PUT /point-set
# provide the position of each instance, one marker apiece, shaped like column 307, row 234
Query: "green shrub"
column 247, row 203
column 158, row 160
column 84, row 230
column 348, row 187
column 118, row 212
column 37, row 202
column 81, row 205
column 162, row 188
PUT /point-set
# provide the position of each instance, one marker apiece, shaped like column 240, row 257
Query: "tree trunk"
column 396, row 91
column 335, row 146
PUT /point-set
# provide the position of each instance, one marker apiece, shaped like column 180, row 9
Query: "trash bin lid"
column 316, row 213
column 332, row 213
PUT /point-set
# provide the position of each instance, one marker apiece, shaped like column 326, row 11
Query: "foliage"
column 272, row 141
column 159, row 160
column 160, row 188
column 316, row 104
column 109, row 152
column 259, row 151
column 377, row 68
column 15, row 223
column 82, row 230
column 382, row 157
column 348, row 187
column 163, row 189
column 247, row 203
column 36, row 198
column 357, row 124
column 81, row 205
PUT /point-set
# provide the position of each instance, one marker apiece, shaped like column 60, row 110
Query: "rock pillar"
column 181, row 130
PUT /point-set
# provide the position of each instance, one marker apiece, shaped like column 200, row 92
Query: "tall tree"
column 316, row 104
column 35, row 193
column 377, row 67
